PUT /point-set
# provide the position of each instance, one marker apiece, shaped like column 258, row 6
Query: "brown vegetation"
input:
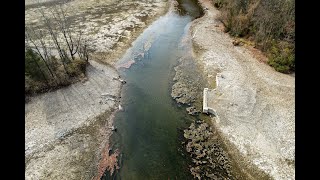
column 270, row 24
column 54, row 55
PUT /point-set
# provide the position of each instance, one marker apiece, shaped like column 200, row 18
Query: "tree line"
column 269, row 23
column 55, row 54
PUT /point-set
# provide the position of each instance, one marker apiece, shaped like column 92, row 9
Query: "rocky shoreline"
column 209, row 158
column 254, row 103
column 201, row 141
column 188, row 79
column 242, row 159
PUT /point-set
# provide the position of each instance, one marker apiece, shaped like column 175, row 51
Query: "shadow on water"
column 150, row 128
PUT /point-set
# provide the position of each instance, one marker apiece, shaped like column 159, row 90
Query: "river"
column 149, row 129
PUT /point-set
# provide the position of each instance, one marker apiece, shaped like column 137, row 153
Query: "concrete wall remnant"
column 205, row 108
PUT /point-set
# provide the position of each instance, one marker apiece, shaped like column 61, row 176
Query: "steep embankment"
column 255, row 105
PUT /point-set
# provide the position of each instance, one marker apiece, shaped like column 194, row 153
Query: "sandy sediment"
column 255, row 104
column 67, row 130
column 109, row 26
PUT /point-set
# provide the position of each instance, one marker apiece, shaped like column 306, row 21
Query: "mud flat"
column 67, row 130
column 255, row 105
column 202, row 142
column 188, row 79
column 109, row 26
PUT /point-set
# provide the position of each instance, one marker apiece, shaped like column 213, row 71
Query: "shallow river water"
column 149, row 127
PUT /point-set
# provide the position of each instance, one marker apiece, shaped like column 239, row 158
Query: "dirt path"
column 255, row 105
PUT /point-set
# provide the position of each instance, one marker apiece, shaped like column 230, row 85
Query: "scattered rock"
column 235, row 42
column 120, row 108
column 109, row 17
column 192, row 110
column 208, row 158
column 113, row 128
column 116, row 78
column 122, row 81
column 84, row 79
column 199, row 121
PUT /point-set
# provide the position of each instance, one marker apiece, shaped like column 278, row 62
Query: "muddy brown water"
column 149, row 129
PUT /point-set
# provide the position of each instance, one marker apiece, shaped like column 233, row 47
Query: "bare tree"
column 64, row 25
column 84, row 51
column 54, row 36
column 39, row 68
column 67, row 43
column 30, row 35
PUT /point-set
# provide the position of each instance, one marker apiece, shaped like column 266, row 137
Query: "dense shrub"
column 270, row 23
column 43, row 71
column 281, row 57
column 77, row 67
column 38, row 78
column 34, row 66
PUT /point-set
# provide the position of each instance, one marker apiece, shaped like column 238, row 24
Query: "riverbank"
column 107, row 26
column 67, row 130
column 254, row 104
